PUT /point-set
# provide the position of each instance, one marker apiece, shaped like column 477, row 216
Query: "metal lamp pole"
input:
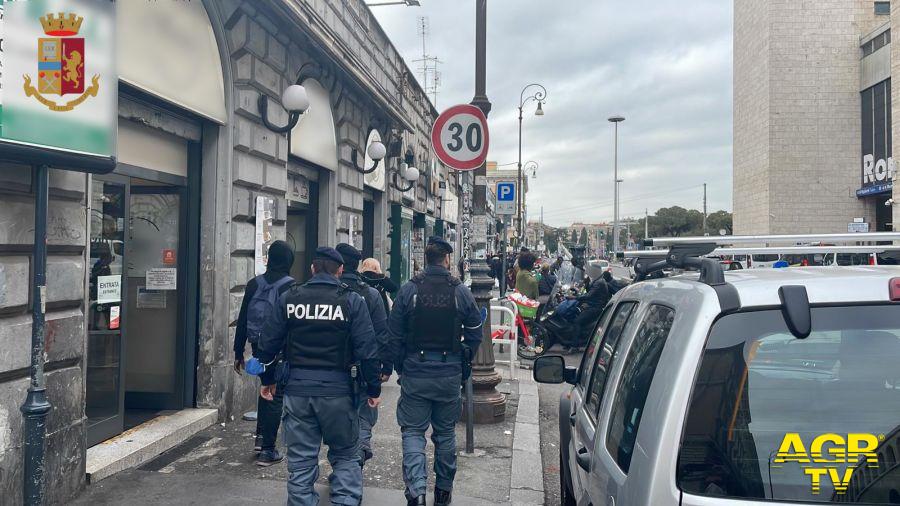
column 539, row 97
column 615, row 120
column 489, row 404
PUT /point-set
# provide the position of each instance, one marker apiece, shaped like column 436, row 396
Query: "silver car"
column 739, row 388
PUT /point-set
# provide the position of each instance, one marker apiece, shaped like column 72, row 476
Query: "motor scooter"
column 554, row 326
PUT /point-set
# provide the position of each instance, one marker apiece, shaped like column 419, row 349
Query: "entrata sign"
column 460, row 138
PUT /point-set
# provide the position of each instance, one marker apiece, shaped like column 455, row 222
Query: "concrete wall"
column 751, row 117
column 895, row 103
column 65, row 331
column 797, row 114
column 369, row 85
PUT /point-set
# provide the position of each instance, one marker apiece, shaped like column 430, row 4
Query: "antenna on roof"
column 428, row 64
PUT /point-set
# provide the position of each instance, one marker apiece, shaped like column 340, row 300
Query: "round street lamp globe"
column 411, row 173
column 294, row 99
column 376, row 151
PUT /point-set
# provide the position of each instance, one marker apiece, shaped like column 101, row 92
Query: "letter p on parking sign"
column 506, row 198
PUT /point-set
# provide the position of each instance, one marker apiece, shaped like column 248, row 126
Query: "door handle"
column 583, row 458
column 572, row 418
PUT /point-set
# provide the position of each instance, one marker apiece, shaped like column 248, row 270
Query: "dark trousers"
column 425, row 402
column 268, row 414
column 584, row 323
column 268, row 418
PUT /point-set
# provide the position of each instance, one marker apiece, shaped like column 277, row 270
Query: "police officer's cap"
column 348, row 252
column 329, row 253
column 438, row 241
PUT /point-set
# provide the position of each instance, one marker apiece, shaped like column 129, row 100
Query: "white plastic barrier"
column 504, row 331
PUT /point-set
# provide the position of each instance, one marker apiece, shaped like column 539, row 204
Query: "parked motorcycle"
column 555, row 325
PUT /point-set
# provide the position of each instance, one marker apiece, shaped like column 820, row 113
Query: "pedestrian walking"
column 325, row 333
column 435, row 329
column 370, row 269
column 368, row 415
column 257, row 311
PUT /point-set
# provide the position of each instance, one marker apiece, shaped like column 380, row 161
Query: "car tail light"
column 895, row 289
column 872, row 259
column 749, row 262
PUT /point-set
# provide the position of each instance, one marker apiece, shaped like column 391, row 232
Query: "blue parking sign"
column 506, row 198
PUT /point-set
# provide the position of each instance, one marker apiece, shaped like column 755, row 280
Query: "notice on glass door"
column 163, row 278
column 109, row 289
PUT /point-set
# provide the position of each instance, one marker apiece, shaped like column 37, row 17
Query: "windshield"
column 776, row 417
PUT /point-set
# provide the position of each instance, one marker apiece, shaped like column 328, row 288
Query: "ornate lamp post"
column 539, row 96
column 489, row 404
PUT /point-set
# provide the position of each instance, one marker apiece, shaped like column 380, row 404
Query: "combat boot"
column 442, row 497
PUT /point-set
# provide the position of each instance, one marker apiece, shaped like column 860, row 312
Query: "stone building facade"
column 802, row 72
column 194, row 158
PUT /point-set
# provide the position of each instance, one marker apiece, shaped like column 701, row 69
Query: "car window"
column 770, row 412
column 765, row 258
column 605, row 356
column 584, row 371
column 853, row 259
column 634, row 384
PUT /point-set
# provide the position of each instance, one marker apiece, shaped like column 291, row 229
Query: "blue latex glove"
column 254, row 367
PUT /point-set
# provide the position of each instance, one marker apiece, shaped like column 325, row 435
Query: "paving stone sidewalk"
column 217, row 465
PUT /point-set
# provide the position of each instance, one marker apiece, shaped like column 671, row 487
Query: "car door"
column 585, row 417
column 621, row 416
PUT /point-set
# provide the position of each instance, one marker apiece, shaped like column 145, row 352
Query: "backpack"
column 262, row 307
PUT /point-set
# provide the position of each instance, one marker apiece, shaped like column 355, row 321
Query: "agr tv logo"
column 830, row 455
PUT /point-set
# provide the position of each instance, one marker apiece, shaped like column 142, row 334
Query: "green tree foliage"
column 574, row 238
column 584, row 239
column 719, row 220
column 677, row 221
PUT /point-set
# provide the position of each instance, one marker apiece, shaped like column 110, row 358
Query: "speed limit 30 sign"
column 460, row 137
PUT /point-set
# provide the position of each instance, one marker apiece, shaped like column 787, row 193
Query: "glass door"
column 104, row 389
column 154, row 368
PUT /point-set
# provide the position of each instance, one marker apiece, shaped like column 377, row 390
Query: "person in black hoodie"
column 370, row 270
column 268, row 413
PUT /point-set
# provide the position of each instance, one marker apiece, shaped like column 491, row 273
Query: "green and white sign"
column 58, row 79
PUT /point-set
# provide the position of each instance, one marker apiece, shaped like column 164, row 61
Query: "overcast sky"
column 666, row 65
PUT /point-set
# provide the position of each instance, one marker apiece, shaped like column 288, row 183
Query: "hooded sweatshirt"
column 281, row 259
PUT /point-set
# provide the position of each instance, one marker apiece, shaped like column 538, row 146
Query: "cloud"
column 666, row 65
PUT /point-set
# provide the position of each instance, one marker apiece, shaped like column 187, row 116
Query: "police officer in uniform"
column 368, row 416
column 435, row 327
column 323, row 328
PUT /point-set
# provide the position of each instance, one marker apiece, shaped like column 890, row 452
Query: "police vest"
column 318, row 335
column 434, row 324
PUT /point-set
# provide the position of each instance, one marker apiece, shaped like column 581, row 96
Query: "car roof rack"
column 795, row 239
column 785, row 250
column 693, row 252
column 692, row 256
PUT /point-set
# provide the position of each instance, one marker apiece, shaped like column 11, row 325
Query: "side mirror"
column 552, row 369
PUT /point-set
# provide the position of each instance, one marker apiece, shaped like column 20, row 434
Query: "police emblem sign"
column 59, row 81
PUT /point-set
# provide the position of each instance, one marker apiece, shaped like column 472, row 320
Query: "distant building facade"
column 813, row 119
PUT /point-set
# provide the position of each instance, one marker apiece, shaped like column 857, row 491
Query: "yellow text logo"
column 833, row 456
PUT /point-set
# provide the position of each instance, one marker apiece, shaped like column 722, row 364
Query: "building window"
column 882, row 8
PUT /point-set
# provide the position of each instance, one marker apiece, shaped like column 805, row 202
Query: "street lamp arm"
column 540, row 95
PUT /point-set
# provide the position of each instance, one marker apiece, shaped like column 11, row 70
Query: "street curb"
column 526, row 478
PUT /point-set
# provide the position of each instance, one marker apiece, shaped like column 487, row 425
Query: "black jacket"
column 383, row 284
column 597, row 296
column 281, row 259
column 546, row 284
